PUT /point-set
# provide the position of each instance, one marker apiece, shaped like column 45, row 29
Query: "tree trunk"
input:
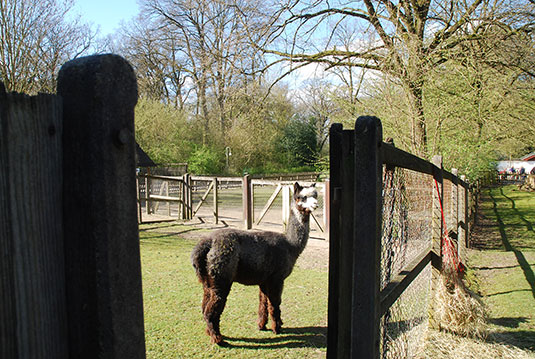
column 418, row 122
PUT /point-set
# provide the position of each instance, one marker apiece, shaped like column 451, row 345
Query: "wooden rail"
column 187, row 184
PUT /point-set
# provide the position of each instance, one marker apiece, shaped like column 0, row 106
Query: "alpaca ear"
column 297, row 187
column 313, row 185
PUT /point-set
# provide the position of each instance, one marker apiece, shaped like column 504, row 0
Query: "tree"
column 36, row 39
column 403, row 40
column 211, row 46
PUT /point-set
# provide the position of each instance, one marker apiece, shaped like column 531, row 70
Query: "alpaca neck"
column 298, row 229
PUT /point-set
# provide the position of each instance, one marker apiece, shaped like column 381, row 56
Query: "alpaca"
column 252, row 257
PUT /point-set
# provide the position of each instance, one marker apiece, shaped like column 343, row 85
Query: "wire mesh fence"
column 407, row 204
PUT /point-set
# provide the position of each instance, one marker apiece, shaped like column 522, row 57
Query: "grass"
column 504, row 264
column 174, row 327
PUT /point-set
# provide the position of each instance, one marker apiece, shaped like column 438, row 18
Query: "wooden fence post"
column 463, row 214
column 148, row 192
column 339, row 306
column 102, row 261
column 355, row 236
column 286, row 203
column 140, row 209
column 327, row 207
column 33, row 319
column 216, row 208
column 246, row 200
column 454, row 208
column 365, row 326
column 437, row 231
column 187, row 194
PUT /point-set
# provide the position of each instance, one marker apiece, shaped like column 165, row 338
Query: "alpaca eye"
column 304, row 198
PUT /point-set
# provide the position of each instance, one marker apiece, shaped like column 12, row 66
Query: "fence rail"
column 179, row 191
column 356, row 300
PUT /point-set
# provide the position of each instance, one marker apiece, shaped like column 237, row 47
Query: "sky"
column 107, row 14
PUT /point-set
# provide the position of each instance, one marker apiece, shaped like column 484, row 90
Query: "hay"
column 458, row 309
column 445, row 346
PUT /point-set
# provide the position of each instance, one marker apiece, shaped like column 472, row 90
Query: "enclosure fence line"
column 356, row 300
column 151, row 194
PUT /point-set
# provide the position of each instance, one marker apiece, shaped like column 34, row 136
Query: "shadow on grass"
column 509, row 322
column 304, row 337
column 522, row 339
column 520, row 215
column 526, row 268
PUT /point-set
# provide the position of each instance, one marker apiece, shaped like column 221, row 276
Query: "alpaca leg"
column 206, row 297
column 213, row 310
column 274, row 296
column 262, row 309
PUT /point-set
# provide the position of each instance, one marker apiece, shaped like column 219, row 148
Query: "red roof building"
column 529, row 157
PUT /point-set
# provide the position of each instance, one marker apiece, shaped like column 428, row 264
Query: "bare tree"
column 402, row 39
column 36, row 40
column 211, row 46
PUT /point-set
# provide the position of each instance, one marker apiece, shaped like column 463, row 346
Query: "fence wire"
column 407, row 203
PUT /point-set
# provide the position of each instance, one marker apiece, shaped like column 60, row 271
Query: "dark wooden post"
column 327, row 207
column 463, row 215
column 246, row 199
column 341, row 170
column 437, row 230
column 33, row 319
column 365, row 330
column 148, row 191
column 187, row 197
column 102, row 260
column 355, row 235
column 140, row 209
column 184, row 196
column 216, row 206
column 454, row 207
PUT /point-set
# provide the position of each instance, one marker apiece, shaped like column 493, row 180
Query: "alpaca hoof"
column 262, row 327
column 217, row 339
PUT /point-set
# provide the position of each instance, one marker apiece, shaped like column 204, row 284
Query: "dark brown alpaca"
column 252, row 258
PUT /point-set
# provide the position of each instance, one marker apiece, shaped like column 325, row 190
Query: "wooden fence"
column 356, row 302
column 70, row 274
column 150, row 195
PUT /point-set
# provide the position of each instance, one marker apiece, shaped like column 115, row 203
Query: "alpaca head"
column 306, row 198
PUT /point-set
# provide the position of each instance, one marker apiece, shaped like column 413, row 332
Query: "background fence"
column 224, row 200
column 386, row 232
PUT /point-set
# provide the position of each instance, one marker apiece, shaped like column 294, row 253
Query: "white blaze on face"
column 308, row 198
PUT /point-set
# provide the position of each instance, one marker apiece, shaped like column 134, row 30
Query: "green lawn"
column 504, row 263
column 174, row 327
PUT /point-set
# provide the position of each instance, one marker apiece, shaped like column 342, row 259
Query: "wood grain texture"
column 32, row 291
column 102, row 259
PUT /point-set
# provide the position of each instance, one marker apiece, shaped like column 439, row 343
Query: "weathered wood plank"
column 269, row 203
column 33, row 320
column 396, row 157
column 336, row 165
column 102, row 259
column 158, row 197
column 365, row 319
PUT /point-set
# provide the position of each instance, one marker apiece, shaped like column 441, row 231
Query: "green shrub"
column 206, row 160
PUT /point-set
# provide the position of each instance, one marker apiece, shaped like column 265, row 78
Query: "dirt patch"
column 315, row 256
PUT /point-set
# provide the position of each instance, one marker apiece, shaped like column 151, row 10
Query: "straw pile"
column 447, row 346
column 458, row 310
